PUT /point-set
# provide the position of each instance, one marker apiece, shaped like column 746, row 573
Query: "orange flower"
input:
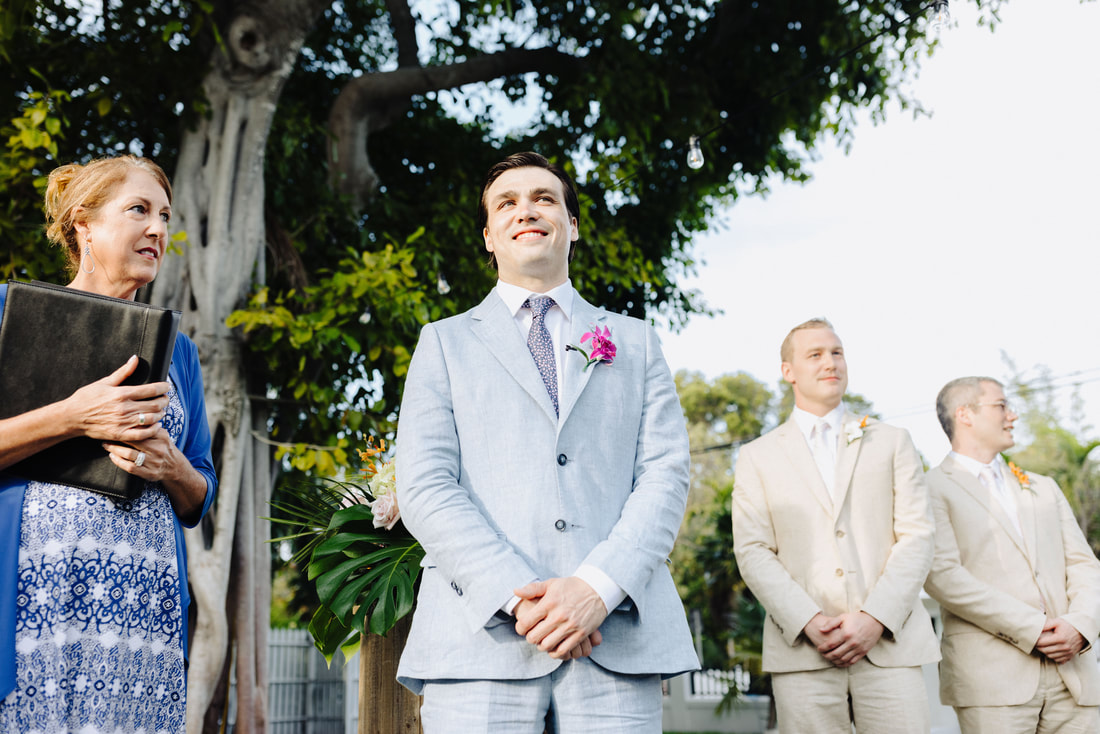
column 1021, row 475
column 863, row 423
column 369, row 453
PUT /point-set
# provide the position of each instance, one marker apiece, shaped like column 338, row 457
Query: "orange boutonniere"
column 1021, row 476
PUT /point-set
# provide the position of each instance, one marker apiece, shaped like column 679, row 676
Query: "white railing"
column 692, row 700
column 713, row 684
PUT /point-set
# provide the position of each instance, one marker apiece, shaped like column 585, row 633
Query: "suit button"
column 560, row 524
column 840, row 572
column 456, row 589
column 562, row 458
column 840, row 533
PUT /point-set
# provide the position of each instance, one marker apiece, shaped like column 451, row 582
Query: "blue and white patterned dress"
column 99, row 618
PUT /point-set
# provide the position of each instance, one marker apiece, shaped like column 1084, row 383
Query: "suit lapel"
column 585, row 316
column 970, row 484
column 799, row 457
column 846, row 455
column 1025, row 501
column 496, row 329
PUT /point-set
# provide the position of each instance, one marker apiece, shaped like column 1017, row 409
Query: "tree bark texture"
column 372, row 101
column 219, row 196
column 386, row 706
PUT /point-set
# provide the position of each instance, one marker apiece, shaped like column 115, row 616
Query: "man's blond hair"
column 786, row 349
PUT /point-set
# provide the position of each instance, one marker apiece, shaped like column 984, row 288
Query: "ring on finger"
column 141, row 419
column 139, row 459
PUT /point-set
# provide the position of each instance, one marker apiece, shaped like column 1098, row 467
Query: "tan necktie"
column 823, row 446
column 989, row 479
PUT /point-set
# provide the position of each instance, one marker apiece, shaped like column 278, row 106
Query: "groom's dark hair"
column 529, row 160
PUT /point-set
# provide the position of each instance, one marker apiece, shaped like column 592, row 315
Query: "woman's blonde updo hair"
column 76, row 193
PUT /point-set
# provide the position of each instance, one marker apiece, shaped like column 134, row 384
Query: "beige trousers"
column 831, row 700
column 1052, row 709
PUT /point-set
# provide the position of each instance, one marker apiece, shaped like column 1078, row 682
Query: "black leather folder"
column 54, row 340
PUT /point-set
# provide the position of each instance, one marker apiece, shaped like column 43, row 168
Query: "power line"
column 1050, row 385
column 1038, row 385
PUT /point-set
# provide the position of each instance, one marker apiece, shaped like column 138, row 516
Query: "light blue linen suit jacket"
column 501, row 494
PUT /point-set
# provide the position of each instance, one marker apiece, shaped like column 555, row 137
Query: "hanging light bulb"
column 364, row 318
column 442, row 285
column 941, row 15
column 695, row 153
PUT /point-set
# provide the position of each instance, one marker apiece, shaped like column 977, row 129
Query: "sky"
column 937, row 242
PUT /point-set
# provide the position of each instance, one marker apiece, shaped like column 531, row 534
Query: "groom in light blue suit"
column 546, row 484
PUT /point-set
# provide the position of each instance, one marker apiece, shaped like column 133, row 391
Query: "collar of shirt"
column 514, row 296
column 806, row 421
column 975, row 467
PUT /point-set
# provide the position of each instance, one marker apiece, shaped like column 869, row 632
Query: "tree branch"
column 404, row 32
column 366, row 104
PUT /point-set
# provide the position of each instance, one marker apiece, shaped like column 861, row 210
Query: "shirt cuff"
column 510, row 607
column 611, row 593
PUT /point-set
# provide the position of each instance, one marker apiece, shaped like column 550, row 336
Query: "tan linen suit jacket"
column 989, row 582
column 800, row 553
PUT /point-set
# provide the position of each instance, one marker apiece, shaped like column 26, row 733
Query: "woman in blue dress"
column 93, row 592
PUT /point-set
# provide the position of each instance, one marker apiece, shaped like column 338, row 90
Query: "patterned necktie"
column 542, row 348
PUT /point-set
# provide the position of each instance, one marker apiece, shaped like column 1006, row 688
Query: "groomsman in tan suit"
column 1019, row 586
column 833, row 534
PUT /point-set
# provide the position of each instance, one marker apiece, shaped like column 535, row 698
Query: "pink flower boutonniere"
column 603, row 349
column 1021, row 476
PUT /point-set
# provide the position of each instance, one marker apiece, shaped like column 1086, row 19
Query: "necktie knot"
column 539, row 305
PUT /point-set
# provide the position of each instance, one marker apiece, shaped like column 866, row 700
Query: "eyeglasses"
column 1004, row 405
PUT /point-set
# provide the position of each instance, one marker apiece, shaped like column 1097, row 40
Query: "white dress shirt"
column 1000, row 492
column 806, row 422
column 557, row 321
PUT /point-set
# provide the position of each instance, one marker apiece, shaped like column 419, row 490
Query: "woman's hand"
column 105, row 410
column 153, row 459
column 157, row 459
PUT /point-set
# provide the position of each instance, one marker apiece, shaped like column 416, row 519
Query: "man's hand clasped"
column 1060, row 641
column 560, row 616
column 844, row 640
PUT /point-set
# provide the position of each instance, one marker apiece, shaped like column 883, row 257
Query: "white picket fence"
column 690, row 702
column 713, row 684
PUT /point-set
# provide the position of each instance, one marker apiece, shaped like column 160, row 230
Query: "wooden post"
column 386, row 706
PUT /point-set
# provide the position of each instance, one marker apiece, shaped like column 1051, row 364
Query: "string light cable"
column 939, row 17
